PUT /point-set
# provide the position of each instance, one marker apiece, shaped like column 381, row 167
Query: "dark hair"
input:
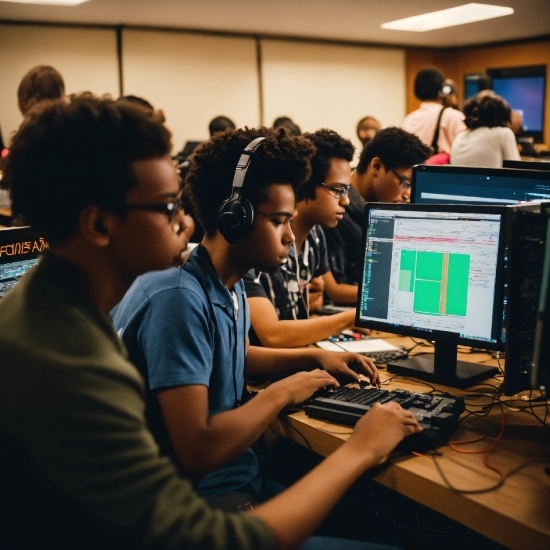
column 287, row 122
column 137, row 100
column 428, row 83
column 395, row 148
column 368, row 123
column 281, row 158
column 40, row 83
column 487, row 110
column 329, row 145
column 220, row 124
column 66, row 156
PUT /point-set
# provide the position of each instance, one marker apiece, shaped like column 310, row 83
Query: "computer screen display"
column 436, row 272
column 465, row 185
column 524, row 89
column 20, row 249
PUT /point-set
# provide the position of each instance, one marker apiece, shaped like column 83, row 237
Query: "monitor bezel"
column 500, row 278
column 525, row 173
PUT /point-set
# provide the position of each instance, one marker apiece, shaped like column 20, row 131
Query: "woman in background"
column 488, row 139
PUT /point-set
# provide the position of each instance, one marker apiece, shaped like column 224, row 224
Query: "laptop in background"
column 20, row 249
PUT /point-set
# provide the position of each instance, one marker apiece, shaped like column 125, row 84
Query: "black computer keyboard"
column 437, row 415
column 387, row 356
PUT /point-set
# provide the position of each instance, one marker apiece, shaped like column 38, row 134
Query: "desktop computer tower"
column 525, row 256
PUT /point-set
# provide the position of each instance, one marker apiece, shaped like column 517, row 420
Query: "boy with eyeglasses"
column 382, row 175
column 79, row 467
column 280, row 302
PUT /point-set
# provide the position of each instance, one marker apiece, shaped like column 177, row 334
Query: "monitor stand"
column 442, row 367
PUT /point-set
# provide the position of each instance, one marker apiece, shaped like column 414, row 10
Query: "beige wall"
column 321, row 85
column 85, row 57
column 193, row 78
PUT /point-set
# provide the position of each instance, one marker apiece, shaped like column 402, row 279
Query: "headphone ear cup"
column 235, row 219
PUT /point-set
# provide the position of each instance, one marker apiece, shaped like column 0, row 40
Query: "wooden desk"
column 516, row 515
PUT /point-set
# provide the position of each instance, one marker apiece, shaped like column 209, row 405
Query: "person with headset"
column 279, row 302
column 187, row 328
column 434, row 123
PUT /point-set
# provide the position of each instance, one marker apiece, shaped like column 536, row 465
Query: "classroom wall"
column 456, row 63
column 333, row 86
column 86, row 58
column 193, row 77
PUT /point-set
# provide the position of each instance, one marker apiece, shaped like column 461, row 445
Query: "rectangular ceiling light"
column 460, row 15
column 48, row 2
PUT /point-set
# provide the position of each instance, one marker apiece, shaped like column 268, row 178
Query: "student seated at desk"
column 79, row 467
column 279, row 302
column 187, row 328
column 382, row 175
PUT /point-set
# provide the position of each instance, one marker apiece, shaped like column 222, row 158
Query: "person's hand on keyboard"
column 298, row 387
column 382, row 429
column 348, row 364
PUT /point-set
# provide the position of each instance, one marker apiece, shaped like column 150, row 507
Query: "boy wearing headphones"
column 187, row 328
column 280, row 302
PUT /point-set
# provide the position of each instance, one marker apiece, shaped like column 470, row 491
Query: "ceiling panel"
column 345, row 20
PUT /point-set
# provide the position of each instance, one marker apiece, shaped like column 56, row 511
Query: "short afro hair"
column 66, row 156
column 486, row 110
column 220, row 124
column 428, row 83
column 395, row 148
column 280, row 158
column 329, row 145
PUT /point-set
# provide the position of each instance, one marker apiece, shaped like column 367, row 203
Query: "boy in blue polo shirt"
column 187, row 328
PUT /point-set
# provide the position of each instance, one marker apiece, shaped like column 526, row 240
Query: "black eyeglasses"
column 169, row 209
column 337, row 192
column 403, row 182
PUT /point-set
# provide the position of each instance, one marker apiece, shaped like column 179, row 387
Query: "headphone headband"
column 244, row 162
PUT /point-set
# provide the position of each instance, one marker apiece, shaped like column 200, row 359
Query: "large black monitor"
column 20, row 249
column 436, row 272
column 524, row 88
column 432, row 184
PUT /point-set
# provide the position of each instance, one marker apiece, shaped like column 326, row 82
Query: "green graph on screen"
column 438, row 281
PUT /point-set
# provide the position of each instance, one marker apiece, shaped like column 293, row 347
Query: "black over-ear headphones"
column 236, row 214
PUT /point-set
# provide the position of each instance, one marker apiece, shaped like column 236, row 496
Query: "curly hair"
column 281, row 158
column 66, row 156
column 40, row 83
column 428, row 83
column 329, row 145
column 486, row 110
column 395, row 148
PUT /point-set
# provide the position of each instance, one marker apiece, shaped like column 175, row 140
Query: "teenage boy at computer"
column 79, row 467
column 382, row 175
column 187, row 329
column 279, row 302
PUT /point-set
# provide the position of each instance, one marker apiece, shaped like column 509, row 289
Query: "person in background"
column 40, row 83
column 279, row 308
column 488, row 139
column 450, row 94
column 79, row 467
column 287, row 122
column 435, row 125
column 220, row 124
column 367, row 128
column 382, row 175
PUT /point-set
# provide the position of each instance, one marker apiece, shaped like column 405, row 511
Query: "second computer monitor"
column 465, row 185
column 436, row 272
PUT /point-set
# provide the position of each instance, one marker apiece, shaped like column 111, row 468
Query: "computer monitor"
column 20, row 249
column 527, row 164
column 436, row 272
column 431, row 184
column 524, row 88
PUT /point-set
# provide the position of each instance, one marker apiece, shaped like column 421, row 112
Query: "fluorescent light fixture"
column 48, row 2
column 460, row 15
